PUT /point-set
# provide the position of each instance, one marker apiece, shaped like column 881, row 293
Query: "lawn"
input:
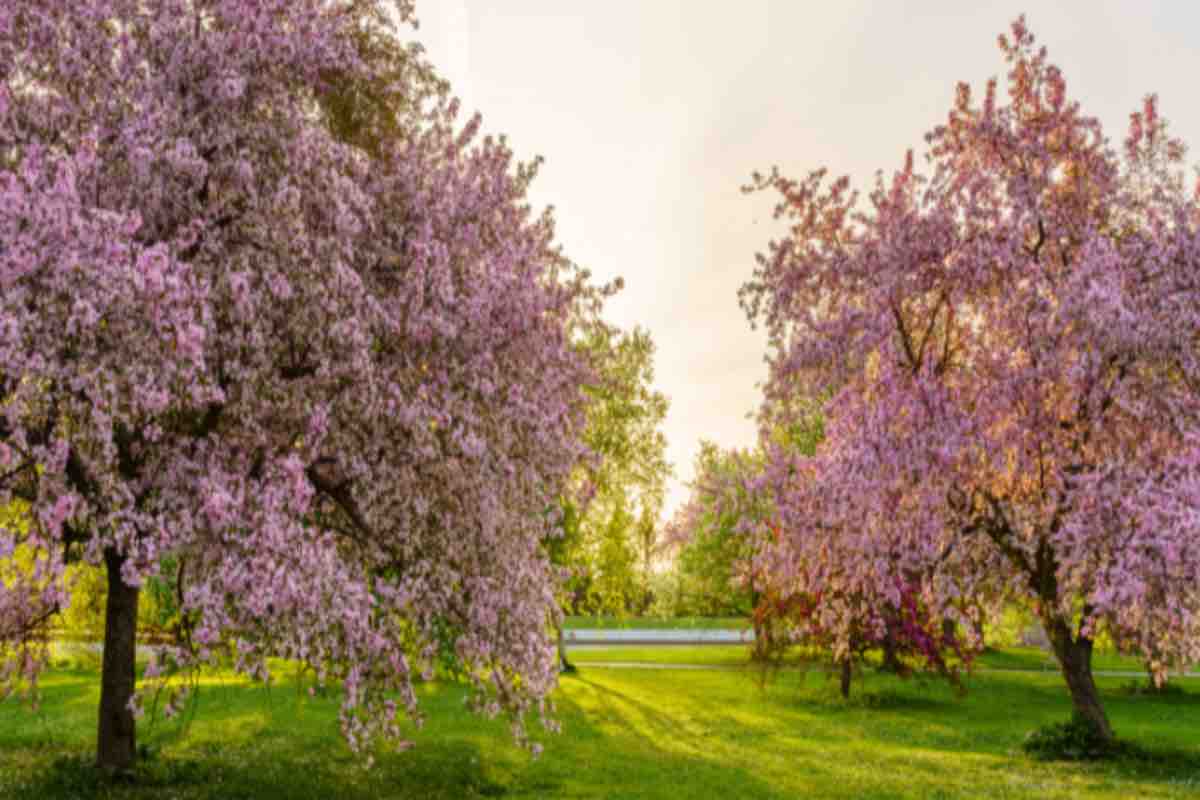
column 1007, row 658
column 627, row 734
column 727, row 655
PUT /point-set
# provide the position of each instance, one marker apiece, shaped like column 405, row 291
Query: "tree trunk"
column 563, row 664
column 949, row 631
column 1075, row 657
column 116, row 746
column 891, row 660
column 846, row 673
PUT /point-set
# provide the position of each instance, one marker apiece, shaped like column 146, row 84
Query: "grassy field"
column 627, row 734
column 1023, row 658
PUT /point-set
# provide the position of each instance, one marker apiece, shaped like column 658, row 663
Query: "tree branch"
column 340, row 494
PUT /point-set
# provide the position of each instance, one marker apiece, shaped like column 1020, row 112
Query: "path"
column 636, row 636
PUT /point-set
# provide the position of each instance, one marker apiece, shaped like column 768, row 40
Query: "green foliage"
column 1077, row 739
column 667, row 596
column 14, row 523
column 13, row 517
column 370, row 113
column 609, row 522
column 710, row 561
column 1008, row 628
column 614, row 587
column 713, row 560
column 83, row 619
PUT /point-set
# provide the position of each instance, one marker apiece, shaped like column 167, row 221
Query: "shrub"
column 1077, row 739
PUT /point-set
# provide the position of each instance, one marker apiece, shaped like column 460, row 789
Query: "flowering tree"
column 729, row 528
column 1012, row 345
column 785, row 617
column 268, row 316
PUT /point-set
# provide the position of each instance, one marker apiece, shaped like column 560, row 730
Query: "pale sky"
column 652, row 114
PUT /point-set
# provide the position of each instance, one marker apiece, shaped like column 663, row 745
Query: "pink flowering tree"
column 1011, row 340
column 270, row 316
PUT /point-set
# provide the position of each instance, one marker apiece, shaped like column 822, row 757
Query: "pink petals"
column 334, row 391
column 1012, row 403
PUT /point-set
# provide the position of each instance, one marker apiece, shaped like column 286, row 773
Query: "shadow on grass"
column 248, row 743
column 626, row 735
column 628, row 747
column 587, row 762
column 1161, row 764
column 453, row 770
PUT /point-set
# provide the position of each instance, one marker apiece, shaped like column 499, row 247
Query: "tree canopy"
column 270, row 311
column 1010, row 340
column 617, row 491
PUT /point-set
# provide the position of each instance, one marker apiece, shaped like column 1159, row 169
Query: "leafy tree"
column 1011, row 343
column 614, row 584
column 715, row 533
column 158, row 617
column 714, row 548
column 269, row 314
column 647, row 544
column 619, row 488
column 626, row 455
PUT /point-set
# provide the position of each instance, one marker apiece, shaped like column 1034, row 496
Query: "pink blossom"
column 1012, row 409
column 274, row 339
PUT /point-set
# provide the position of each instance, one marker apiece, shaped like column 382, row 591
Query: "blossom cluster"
column 1011, row 345
column 332, row 382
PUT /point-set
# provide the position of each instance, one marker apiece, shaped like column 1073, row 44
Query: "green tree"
column 629, row 470
column 609, row 519
column 709, row 532
column 649, row 545
column 614, row 587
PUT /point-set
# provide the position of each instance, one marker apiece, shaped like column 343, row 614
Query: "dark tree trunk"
column 1075, row 657
column 846, row 672
column 563, row 664
column 891, row 660
column 116, row 746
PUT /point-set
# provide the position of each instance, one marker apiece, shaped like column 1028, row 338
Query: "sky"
column 652, row 114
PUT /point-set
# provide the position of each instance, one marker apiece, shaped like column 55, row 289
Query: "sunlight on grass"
column 627, row 734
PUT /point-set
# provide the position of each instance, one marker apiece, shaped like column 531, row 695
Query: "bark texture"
column 116, row 747
column 1074, row 654
column 846, row 673
column 564, row 665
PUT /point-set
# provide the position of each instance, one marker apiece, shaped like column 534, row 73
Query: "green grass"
column 659, row 623
column 705, row 654
column 627, row 734
column 1007, row 658
column 1033, row 658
